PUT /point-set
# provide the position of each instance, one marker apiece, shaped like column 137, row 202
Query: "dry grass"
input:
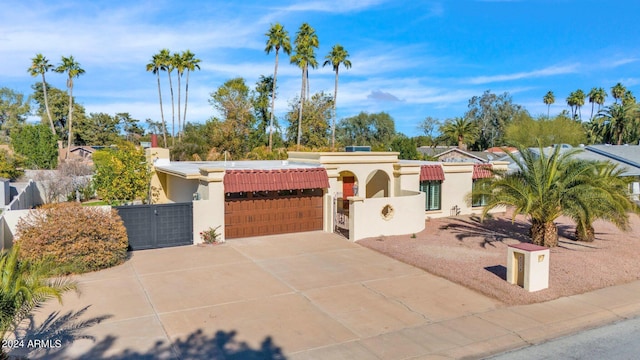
column 474, row 254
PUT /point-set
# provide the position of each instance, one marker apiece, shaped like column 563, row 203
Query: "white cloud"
column 548, row 71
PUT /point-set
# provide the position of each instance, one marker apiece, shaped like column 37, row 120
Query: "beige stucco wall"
column 366, row 220
column 181, row 190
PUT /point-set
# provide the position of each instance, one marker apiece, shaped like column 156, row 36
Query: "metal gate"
column 156, row 226
column 341, row 215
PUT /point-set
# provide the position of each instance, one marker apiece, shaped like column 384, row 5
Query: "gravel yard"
column 474, row 254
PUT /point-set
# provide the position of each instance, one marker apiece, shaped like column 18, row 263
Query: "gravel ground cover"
column 473, row 253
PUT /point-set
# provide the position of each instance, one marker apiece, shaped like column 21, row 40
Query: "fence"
column 28, row 198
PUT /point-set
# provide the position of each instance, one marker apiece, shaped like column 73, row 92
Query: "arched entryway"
column 377, row 184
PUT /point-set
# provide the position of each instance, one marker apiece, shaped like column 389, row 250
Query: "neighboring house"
column 454, row 154
column 362, row 194
column 77, row 152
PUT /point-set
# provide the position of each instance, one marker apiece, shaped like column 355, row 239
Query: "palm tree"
column 180, row 66
column 628, row 98
column 618, row 118
column 156, row 65
column 546, row 186
column 460, row 130
column 596, row 96
column 73, row 70
column 277, row 38
column 337, row 56
column 306, row 41
column 24, row 287
column 191, row 64
column 618, row 91
column 609, row 201
column 579, row 101
column 548, row 100
column 167, row 65
column 39, row 66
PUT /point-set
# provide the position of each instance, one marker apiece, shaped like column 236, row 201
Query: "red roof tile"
column 431, row 172
column 481, row 171
column 274, row 180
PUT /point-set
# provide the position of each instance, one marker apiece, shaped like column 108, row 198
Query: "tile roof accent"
column 274, row 180
column 481, row 171
column 431, row 172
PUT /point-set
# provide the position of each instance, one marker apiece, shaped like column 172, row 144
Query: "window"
column 479, row 200
column 432, row 192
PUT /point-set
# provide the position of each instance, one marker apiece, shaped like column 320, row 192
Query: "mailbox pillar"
column 528, row 266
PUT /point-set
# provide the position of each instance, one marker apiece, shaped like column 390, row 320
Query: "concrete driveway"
column 301, row 296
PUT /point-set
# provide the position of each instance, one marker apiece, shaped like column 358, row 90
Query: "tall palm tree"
column 461, row 130
column 180, row 65
column 156, row 65
column 24, row 287
column 167, row 65
column 73, row 70
column 337, row 56
column 548, row 100
column 579, row 101
column 39, row 66
column 277, row 38
column 545, row 186
column 305, row 43
column 191, row 64
column 617, row 91
column 596, row 96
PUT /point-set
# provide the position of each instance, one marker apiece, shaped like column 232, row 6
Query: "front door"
column 347, row 190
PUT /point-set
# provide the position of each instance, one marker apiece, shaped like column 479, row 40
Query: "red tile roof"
column 431, row 172
column 481, row 171
column 274, row 180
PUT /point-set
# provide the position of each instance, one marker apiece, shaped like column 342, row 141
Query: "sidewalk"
column 304, row 296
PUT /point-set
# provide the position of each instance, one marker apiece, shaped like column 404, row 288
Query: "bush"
column 77, row 239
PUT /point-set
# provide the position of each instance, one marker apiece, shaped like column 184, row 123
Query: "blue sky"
column 412, row 59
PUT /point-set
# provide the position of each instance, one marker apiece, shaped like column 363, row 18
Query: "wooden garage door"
column 274, row 212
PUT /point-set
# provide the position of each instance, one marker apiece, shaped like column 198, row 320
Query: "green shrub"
column 77, row 239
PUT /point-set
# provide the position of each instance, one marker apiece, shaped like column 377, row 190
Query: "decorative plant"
column 211, row 236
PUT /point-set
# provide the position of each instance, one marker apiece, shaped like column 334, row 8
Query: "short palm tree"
column 337, row 56
column 25, row 286
column 548, row 100
column 70, row 66
column 39, row 66
column 461, row 130
column 609, row 201
column 546, row 186
column 277, row 38
column 619, row 119
column 156, row 65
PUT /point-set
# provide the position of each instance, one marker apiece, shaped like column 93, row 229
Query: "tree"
column 618, row 120
column 39, row 66
column 617, row 91
column 529, row 132
column 24, row 287
column 459, row 130
column 73, row 70
column 97, row 129
column 375, row 130
column 575, row 102
column 13, row 110
column 596, row 96
column 406, row 146
column 122, row 174
column 180, row 65
column 131, row 127
column 166, row 60
column 156, row 65
column 38, row 146
column 260, row 100
column 548, row 100
column 10, row 166
column 491, row 113
column 546, row 185
column 191, row 64
column 337, row 56
column 314, row 130
column 611, row 202
column 277, row 38
column 628, row 98
column 59, row 106
column 305, row 42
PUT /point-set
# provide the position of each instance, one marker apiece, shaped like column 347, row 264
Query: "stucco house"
column 361, row 194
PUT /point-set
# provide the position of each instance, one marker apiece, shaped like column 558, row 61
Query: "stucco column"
column 355, row 203
column 208, row 210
